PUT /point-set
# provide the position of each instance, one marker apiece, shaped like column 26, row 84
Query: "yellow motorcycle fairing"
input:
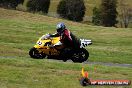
column 42, row 46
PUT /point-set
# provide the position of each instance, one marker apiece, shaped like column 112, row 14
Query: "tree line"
column 10, row 3
column 104, row 15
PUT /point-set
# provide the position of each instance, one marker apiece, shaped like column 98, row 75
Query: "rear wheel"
column 80, row 55
column 34, row 53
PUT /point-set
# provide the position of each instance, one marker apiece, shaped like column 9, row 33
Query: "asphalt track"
column 86, row 62
column 99, row 63
column 109, row 64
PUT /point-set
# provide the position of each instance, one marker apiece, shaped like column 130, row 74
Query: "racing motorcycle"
column 43, row 48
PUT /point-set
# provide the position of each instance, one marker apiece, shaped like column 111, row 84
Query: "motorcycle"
column 43, row 48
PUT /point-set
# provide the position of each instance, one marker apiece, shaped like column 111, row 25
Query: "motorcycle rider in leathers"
column 66, row 37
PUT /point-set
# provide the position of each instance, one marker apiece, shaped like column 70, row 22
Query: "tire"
column 80, row 56
column 34, row 53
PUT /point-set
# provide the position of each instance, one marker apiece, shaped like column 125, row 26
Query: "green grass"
column 29, row 73
column 19, row 31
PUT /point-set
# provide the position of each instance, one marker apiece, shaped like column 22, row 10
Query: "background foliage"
column 38, row 5
column 71, row 9
column 108, row 13
column 10, row 3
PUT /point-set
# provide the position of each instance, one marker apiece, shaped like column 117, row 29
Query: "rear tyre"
column 34, row 53
column 80, row 55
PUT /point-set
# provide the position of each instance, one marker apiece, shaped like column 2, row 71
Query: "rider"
column 66, row 37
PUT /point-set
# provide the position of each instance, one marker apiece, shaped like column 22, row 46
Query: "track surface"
column 100, row 63
column 110, row 64
column 91, row 63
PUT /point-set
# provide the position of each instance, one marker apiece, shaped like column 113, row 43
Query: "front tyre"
column 80, row 55
column 34, row 53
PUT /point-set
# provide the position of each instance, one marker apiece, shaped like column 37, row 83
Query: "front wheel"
column 34, row 53
column 80, row 55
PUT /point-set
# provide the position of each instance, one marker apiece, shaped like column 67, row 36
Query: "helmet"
column 60, row 27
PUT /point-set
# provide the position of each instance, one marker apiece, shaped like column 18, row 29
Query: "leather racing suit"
column 68, row 39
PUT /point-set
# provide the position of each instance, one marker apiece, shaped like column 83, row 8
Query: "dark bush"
column 38, row 6
column 96, row 18
column 108, row 13
column 71, row 9
column 10, row 3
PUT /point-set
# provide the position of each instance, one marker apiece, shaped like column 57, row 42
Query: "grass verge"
column 30, row 73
